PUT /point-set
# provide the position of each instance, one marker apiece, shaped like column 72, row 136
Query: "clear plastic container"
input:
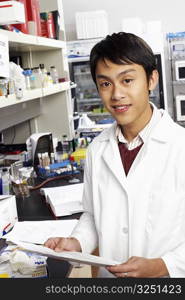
column 3, row 87
column 32, row 80
column 38, row 77
column 54, row 74
column 1, row 182
column 65, row 144
column 44, row 75
column 27, row 74
column 49, row 79
column 5, row 182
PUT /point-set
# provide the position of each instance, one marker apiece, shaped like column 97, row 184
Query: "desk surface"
column 34, row 208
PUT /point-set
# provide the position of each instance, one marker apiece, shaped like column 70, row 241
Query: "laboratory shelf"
column 27, row 96
column 26, row 42
column 30, row 95
column 56, row 88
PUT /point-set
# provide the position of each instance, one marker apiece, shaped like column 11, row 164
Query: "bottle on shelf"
column 27, row 74
column 44, row 76
column 5, row 182
column 19, row 92
column 59, row 152
column 54, row 74
column 1, row 191
column 32, row 80
column 66, row 146
column 38, row 77
column 49, row 79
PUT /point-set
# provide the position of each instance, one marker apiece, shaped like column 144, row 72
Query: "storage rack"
column 178, row 86
column 47, row 109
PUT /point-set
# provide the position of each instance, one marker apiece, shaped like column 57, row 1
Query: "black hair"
column 123, row 48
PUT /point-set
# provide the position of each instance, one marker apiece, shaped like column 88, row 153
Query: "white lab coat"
column 143, row 213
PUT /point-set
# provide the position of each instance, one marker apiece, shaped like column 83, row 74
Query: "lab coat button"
column 125, row 229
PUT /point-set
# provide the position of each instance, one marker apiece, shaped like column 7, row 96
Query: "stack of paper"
column 8, row 213
column 39, row 231
column 71, row 256
column 64, row 200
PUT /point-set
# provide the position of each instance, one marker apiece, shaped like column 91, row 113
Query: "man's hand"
column 140, row 267
column 63, row 244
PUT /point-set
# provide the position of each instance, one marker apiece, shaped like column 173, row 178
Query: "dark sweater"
column 128, row 156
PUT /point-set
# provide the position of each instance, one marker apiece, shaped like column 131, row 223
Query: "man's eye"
column 127, row 81
column 105, row 84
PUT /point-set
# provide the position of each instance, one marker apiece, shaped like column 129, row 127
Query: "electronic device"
column 180, row 107
column 178, row 48
column 40, row 143
column 180, row 70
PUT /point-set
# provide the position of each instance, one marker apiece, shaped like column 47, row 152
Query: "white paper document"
column 64, row 200
column 82, row 258
column 8, row 213
column 39, row 231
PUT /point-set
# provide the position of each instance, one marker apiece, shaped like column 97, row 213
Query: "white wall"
column 170, row 12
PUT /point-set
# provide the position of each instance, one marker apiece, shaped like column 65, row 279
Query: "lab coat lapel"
column 112, row 158
column 145, row 171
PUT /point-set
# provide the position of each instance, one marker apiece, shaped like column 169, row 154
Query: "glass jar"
column 3, row 87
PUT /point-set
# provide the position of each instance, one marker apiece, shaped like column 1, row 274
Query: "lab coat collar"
column 162, row 132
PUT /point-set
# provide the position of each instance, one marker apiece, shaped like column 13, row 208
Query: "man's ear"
column 153, row 80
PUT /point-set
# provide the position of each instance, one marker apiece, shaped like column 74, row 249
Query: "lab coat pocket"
column 164, row 220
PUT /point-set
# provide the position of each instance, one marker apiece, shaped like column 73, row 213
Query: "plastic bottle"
column 38, row 77
column 1, row 191
column 32, row 80
column 54, row 74
column 44, row 75
column 59, row 152
column 27, row 74
column 65, row 144
column 5, row 182
column 49, row 79
column 18, row 92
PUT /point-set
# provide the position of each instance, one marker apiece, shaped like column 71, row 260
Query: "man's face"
column 124, row 90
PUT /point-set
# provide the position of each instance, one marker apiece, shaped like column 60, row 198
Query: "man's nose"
column 118, row 93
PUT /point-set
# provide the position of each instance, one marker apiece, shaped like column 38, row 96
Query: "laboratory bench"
column 34, row 208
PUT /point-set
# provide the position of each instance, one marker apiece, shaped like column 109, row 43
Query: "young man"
column 134, row 180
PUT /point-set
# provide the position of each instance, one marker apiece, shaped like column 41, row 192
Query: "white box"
column 11, row 12
column 92, row 24
column 8, row 213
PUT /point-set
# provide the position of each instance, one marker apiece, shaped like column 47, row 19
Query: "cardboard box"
column 11, row 12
